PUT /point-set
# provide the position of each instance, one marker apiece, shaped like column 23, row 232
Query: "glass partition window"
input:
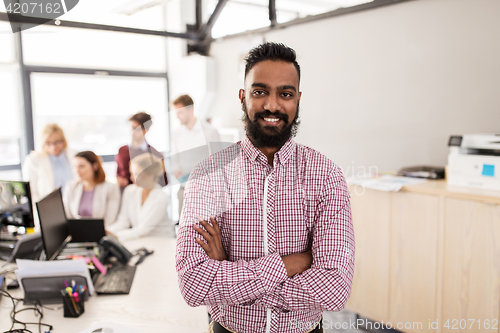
column 7, row 54
column 93, row 110
column 10, row 119
column 10, row 105
column 84, row 48
column 242, row 15
column 140, row 14
column 288, row 10
column 238, row 17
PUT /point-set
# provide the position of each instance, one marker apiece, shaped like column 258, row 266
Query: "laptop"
column 57, row 231
column 86, row 230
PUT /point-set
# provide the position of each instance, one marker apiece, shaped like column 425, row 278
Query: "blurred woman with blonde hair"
column 144, row 203
column 49, row 168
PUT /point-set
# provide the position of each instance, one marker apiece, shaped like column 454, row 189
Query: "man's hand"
column 213, row 247
column 297, row 263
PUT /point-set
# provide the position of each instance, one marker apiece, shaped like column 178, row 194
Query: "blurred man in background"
column 140, row 124
column 189, row 142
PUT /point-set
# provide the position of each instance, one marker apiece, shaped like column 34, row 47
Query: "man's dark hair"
column 143, row 119
column 271, row 51
column 185, row 100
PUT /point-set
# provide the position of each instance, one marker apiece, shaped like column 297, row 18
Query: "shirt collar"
column 286, row 151
column 58, row 157
column 196, row 126
column 281, row 156
column 143, row 146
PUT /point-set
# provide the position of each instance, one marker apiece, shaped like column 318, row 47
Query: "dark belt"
column 218, row 328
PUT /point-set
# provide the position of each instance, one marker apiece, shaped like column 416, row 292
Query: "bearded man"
column 266, row 239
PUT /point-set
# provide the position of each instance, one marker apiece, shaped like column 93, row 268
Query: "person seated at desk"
column 50, row 168
column 91, row 195
column 144, row 204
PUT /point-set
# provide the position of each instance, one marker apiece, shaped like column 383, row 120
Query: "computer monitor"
column 53, row 224
column 15, row 204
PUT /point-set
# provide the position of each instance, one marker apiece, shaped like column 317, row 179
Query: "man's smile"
column 271, row 121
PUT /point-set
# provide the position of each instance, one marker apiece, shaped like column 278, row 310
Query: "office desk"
column 154, row 304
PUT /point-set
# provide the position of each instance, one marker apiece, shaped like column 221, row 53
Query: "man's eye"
column 287, row 94
column 258, row 92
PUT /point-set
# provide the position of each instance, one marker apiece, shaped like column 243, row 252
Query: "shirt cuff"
column 272, row 271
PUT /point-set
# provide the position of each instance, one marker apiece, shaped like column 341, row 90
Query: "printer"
column 474, row 161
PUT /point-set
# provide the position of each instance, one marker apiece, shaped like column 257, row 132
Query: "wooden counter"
column 441, row 188
column 428, row 254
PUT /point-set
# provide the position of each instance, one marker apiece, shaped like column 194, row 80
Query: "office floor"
column 347, row 322
column 343, row 321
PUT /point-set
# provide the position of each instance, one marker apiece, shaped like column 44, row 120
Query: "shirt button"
column 269, row 210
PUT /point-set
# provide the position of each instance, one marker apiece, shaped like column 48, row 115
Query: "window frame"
column 85, row 71
column 25, row 72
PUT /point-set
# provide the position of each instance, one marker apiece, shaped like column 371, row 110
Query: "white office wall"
column 384, row 87
column 193, row 75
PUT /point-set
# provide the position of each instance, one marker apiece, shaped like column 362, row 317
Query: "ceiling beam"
column 19, row 19
column 205, row 30
column 199, row 13
column 272, row 13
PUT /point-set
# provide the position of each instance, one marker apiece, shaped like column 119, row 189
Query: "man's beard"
column 277, row 138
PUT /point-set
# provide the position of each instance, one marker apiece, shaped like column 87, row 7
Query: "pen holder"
column 73, row 307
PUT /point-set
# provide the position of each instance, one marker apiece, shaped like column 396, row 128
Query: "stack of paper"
column 385, row 183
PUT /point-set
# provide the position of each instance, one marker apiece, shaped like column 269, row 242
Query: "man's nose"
column 272, row 104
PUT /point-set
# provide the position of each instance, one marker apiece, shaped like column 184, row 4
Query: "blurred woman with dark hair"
column 90, row 195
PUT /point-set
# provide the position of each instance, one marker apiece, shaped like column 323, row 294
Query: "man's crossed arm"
column 294, row 283
column 294, row 263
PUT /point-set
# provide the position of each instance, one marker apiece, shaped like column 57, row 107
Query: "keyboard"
column 117, row 281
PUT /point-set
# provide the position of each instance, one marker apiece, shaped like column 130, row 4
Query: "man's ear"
column 300, row 95
column 241, row 96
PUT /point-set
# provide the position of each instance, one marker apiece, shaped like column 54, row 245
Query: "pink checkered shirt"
column 264, row 213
